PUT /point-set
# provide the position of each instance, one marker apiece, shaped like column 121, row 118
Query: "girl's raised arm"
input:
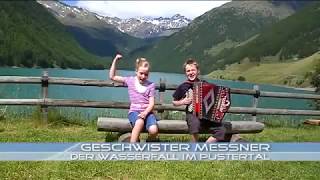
column 112, row 72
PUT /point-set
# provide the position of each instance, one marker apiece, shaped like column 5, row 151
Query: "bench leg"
column 124, row 137
column 233, row 138
column 227, row 137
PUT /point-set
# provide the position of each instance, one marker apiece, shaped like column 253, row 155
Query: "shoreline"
column 311, row 89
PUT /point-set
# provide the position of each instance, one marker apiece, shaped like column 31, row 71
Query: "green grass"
column 159, row 170
column 29, row 130
column 291, row 73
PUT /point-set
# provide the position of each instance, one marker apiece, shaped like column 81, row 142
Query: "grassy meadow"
column 64, row 130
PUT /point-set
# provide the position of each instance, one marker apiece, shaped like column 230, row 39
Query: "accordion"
column 210, row 101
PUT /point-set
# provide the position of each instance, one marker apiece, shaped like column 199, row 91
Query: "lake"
column 29, row 91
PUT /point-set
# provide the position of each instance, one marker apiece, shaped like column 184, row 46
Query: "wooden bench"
column 233, row 128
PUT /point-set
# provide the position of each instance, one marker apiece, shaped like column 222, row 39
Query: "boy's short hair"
column 190, row 61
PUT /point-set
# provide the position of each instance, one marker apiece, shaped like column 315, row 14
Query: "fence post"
column 255, row 101
column 162, row 89
column 44, row 89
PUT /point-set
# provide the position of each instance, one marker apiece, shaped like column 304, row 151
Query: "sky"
column 128, row 9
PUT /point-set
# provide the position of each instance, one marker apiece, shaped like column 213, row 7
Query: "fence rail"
column 45, row 102
column 125, row 105
column 106, row 83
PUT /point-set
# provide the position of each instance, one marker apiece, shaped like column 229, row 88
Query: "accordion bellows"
column 210, row 101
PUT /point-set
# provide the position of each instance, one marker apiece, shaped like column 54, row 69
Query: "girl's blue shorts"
column 149, row 121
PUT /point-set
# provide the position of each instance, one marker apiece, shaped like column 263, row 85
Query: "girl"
column 141, row 94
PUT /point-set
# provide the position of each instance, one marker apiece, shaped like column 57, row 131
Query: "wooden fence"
column 45, row 102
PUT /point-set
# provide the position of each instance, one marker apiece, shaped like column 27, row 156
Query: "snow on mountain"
column 142, row 27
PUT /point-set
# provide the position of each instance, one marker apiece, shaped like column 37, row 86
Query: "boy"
column 182, row 97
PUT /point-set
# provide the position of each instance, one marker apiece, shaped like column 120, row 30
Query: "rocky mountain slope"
column 228, row 26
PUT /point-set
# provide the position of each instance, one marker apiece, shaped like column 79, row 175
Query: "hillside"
column 103, row 41
column 291, row 73
column 295, row 37
column 227, row 26
column 30, row 36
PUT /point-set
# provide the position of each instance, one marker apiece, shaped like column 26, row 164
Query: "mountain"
column 92, row 33
column 30, row 36
column 149, row 27
column 292, row 45
column 295, row 4
column 140, row 27
column 230, row 25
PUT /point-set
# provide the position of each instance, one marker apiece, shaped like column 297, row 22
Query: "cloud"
column 127, row 9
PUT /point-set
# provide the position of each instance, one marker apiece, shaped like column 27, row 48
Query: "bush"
column 300, row 81
column 241, row 78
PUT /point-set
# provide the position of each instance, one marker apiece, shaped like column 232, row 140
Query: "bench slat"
column 178, row 126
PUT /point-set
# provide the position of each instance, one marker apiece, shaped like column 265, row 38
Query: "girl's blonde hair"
column 190, row 61
column 142, row 62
